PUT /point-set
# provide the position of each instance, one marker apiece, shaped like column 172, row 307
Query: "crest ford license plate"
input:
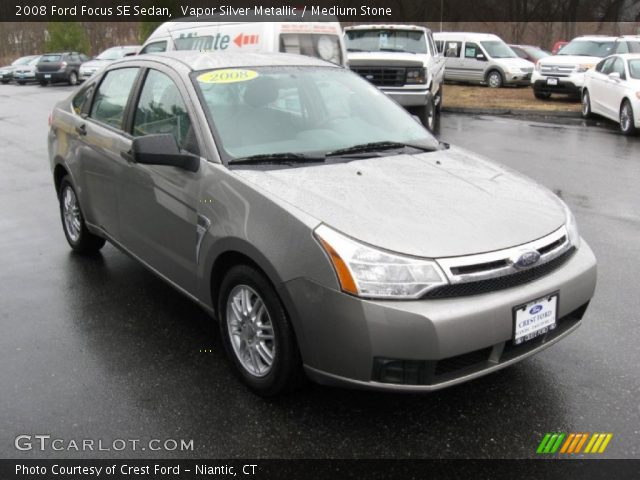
column 535, row 318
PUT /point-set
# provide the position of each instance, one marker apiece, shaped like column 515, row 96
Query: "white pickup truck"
column 403, row 62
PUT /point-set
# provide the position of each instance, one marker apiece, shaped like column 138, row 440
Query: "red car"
column 558, row 46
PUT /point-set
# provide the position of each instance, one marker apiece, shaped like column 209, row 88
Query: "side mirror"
column 162, row 149
column 614, row 76
column 481, row 57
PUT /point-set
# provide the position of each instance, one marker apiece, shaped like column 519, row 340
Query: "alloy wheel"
column 71, row 214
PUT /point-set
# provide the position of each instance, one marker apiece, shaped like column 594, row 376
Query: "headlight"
column 368, row 272
column 538, row 66
column 572, row 227
column 416, row 75
column 584, row 67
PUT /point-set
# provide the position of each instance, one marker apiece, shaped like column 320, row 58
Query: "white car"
column 612, row 89
column 563, row 73
column 87, row 69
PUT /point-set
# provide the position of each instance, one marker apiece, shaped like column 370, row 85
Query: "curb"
column 512, row 112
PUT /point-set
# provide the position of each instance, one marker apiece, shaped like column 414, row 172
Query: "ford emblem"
column 535, row 309
column 526, row 259
column 369, row 77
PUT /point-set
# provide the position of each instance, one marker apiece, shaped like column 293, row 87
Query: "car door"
column 614, row 89
column 453, row 63
column 159, row 220
column 598, row 84
column 101, row 139
column 473, row 66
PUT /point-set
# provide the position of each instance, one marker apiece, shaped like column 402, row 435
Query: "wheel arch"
column 495, row 68
column 59, row 172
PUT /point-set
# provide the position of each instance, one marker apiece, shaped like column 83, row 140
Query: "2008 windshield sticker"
column 228, row 75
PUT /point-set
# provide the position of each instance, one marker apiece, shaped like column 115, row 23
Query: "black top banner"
column 318, row 10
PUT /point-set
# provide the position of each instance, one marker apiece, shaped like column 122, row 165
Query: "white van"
column 482, row 58
column 316, row 39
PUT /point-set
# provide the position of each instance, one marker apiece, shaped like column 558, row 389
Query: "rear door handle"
column 81, row 130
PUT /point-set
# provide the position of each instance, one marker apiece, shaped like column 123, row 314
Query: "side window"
column 621, row 47
column 112, row 95
column 81, row 101
column 518, row 51
column 73, row 58
column 600, row 66
column 452, row 49
column 155, row 47
column 162, row 110
column 608, row 64
column 471, row 50
column 634, row 47
column 618, row 67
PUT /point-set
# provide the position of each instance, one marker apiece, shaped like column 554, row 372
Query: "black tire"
column 4, row 82
column 285, row 372
column 43, row 83
column 427, row 114
column 541, row 95
column 586, row 104
column 495, row 79
column 440, row 97
column 627, row 126
column 21, row 83
column 73, row 78
column 84, row 241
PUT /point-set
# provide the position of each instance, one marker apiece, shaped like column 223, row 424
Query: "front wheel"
column 43, row 83
column 494, row 79
column 541, row 95
column 586, row 104
column 627, row 126
column 79, row 237
column 256, row 332
column 427, row 114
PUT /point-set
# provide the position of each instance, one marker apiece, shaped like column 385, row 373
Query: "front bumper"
column 6, row 77
column 406, row 97
column 517, row 78
column 570, row 85
column 86, row 74
column 346, row 341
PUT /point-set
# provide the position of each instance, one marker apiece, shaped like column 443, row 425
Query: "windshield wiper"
column 376, row 147
column 285, row 157
column 357, row 50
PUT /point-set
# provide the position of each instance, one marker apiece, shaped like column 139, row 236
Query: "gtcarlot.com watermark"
column 47, row 443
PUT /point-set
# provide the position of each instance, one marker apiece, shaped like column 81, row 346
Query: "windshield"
column 536, row 53
column 50, row 58
column 112, row 54
column 23, row 61
column 588, row 48
column 498, row 49
column 386, row 41
column 301, row 111
column 634, row 68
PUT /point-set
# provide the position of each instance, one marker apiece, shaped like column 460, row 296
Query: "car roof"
column 608, row 37
column 194, row 60
column 378, row 26
column 629, row 56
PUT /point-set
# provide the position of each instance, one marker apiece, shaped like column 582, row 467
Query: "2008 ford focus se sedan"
column 326, row 230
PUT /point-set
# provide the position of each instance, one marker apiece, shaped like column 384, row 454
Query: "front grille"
column 557, row 70
column 383, row 76
column 500, row 283
column 460, row 362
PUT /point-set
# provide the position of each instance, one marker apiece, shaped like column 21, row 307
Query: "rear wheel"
column 541, row 95
column 79, row 237
column 494, row 79
column 586, row 104
column 73, row 78
column 256, row 332
column 627, row 125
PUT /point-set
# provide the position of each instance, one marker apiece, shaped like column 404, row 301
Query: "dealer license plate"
column 535, row 318
column 552, row 81
column 48, row 75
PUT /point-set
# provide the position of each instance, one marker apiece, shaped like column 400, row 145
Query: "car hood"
column 440, row 204
column 96, row 63
column 569, row 60
column 514, row 62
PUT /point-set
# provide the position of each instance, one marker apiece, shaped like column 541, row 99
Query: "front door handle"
column 81, row 130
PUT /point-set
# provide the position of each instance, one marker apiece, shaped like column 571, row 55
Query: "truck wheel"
column 427, row 114
column 438, row 103
column 494, row 79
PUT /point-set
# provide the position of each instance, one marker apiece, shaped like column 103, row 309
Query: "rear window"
column 634, row 68
column 50, row 58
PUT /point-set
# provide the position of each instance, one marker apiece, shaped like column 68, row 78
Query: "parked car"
column 481, row 58
column 90, row 67
column 59, row 67
column 529, row 52
column 403, row 62
column 558, row 46
column 564, row 73
column 327, row 230
column 612, row 89
column 7, row 72
column 316, row 39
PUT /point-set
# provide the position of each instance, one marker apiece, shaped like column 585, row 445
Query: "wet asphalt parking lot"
column 99, row 348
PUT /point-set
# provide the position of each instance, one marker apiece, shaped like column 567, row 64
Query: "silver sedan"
column 326, row 230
